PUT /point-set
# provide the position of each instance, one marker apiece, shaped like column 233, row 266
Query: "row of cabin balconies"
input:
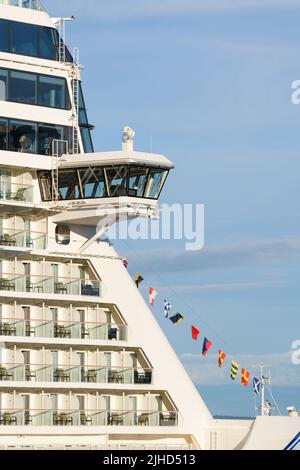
column 68, row 322
column 87, row 410
column 63, row 330
column 93, row 374
column 43, row 277
column 15, row 282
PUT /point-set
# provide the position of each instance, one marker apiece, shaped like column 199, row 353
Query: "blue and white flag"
column 167, row 308
column 256, row 386
column 294, row 444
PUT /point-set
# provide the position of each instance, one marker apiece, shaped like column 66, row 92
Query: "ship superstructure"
column 83, row 362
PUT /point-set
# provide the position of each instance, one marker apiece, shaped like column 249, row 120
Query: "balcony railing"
column 49, row 285
column 16, row 192
column 74, row 373
column 31, row 4
column 22, row 239
column 17, row 417
column 63, row 329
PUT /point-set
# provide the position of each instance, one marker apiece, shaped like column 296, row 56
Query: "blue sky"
column 209, row 83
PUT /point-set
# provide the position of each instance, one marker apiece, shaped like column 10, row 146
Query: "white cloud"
column 220, row 256
column 206, row 371
column 112, row 10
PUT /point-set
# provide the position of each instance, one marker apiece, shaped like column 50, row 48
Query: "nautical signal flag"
column 125, row 262
column 234, row 370
column 245, row 377
column 206, row 346
column 195, row 333
column 221, row 357
column 176, row 319
column 152, row 296
column 167, row 308
column 256, row 385
column 138, row 279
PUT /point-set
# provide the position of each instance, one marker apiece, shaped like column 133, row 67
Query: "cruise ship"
column 83, row 362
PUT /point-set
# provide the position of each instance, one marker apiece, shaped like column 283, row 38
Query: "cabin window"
column 62, row 235
column 3, row 134
column 4, row 43
column 34, row 89
column 29, row 137
column 3, row 84
column 23, row 87
column 24, row 38
column 52, row 92
column 22, row 136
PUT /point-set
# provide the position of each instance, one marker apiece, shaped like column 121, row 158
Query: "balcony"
column 144, row 418
column 92, row 374
column 16, row 192
column 70, row 330
column 49, row 285
column 22, row 239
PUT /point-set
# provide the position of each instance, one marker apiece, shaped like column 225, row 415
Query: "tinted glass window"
column 24, row 38
column 3, row 134
column 47, row 134
column 48, row 43
column 137, row 180
column 86, row 139
column 117, row 181
column 3, row 85
column 23, row 87
column 4, row 45
column 68, row 187
column 52, row 92
column 22, row 136
column 92, row 182
column 155, row 181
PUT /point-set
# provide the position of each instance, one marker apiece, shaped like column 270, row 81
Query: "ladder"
column 59, row 147
column 75, row 115
column 62, row 40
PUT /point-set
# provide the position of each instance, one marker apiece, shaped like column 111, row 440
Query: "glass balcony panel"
column 22, row 239
column 16, row 192
column 88, row 417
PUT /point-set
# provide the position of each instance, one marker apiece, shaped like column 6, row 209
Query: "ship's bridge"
column 124, row 183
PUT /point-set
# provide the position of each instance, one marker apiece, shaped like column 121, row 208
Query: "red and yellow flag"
column 222, row 357
column 245, row 377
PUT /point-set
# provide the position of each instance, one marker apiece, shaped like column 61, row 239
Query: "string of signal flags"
column 176, row 319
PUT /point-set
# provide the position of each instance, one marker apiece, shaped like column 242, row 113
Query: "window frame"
column 77, row 171
column 68, row 104
column 66, row 130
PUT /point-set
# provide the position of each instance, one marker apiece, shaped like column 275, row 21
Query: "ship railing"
column 16, row 192
column 75, row 417
column 31, row 4
column 46, row 328
column 66, row 373
column 49, row 285
column 22, row 239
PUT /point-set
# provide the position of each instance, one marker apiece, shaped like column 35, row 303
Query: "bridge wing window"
column 92, row 182
column 68, row 185
column 117, row 181
column 47, row 134
column 137, row 180
column 155, row 182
